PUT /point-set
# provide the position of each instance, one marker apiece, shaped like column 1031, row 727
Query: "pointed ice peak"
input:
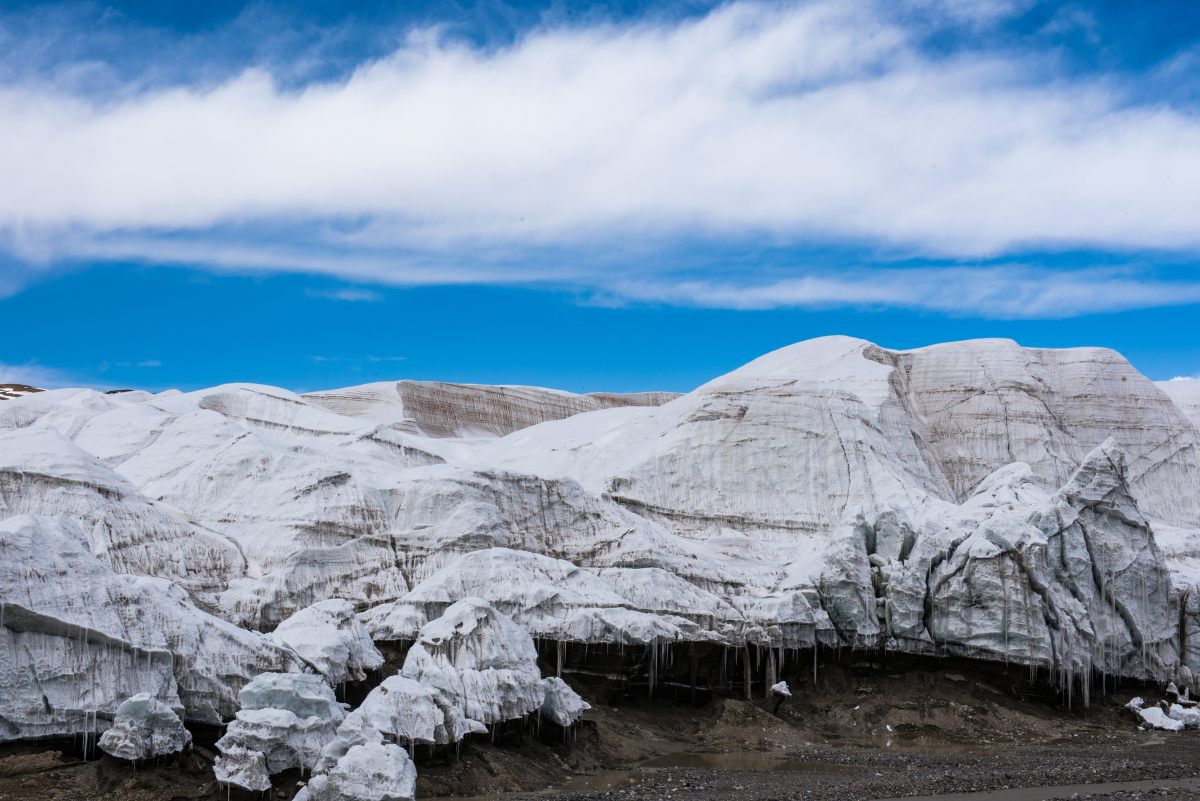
column 826, row 359
column 1100, row 471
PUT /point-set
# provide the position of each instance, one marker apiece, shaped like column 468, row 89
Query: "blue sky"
column 617, row 195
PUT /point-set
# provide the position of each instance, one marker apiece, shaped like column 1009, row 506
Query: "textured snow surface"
column 329, row 638
column 144, row 727
column 975, row 498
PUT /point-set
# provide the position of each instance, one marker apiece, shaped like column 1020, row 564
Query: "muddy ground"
column 859, row 733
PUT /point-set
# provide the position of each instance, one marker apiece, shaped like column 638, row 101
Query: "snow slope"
column 438, row 409
column 1185, row 392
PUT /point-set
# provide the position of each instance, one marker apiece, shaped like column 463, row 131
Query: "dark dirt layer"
column 875, row 735
column 858, row 733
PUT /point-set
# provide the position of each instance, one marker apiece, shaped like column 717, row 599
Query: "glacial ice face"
column 991, row 402
column 943, row 500
column 285, row 721
column 469, row 668
column 329, row 637
column 77, row 640
column 554, row 599
column 479, row 661
column 144, row 727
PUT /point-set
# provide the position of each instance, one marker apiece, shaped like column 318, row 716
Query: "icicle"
column 746, row 673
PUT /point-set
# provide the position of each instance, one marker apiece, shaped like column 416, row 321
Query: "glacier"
column 978, row 499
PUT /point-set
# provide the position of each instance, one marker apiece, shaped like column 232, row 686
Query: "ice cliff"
column 977, row 498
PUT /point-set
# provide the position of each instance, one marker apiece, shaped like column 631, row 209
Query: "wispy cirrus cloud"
column 347, row 295
column 998, row 292
column 38, row 375
column 444, row 161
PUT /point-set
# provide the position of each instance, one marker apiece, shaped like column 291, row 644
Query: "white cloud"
column 814, row 120
column 996, row 292
column 793, row 123
column 36, row 375
column 348, row 295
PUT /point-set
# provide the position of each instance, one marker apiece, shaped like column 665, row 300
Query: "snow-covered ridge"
column 976, row 498
column 439, row 409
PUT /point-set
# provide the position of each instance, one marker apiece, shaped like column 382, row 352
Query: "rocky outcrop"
column 9, row 391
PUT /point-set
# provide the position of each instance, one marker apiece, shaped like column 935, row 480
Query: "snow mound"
column 285, row 721
column 329, row 637
column 1155, row 718
column 144, row 727
column 563, row 705
column 368, row 772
